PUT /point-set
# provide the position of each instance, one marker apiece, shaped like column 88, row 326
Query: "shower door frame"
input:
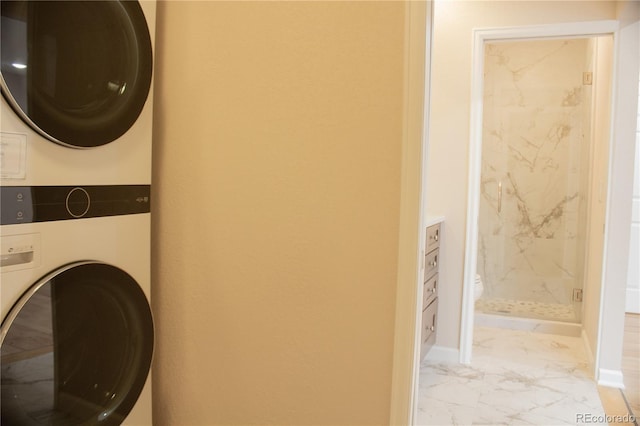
column 480, row 36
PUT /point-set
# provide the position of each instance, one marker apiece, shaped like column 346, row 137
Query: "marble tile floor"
column 516, row 377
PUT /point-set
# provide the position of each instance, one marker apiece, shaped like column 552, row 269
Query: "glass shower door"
column 535, row 171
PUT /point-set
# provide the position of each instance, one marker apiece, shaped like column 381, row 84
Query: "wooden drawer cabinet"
column 429, row 318
column 433, row 237
column 431, row 264
column 430, row 289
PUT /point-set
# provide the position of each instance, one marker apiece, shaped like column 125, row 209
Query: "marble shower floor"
column 516, row 378
column 527, row 309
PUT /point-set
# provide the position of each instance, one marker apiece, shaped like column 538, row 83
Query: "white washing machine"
column 76, row 340
column 75, row 175
column 77, row 92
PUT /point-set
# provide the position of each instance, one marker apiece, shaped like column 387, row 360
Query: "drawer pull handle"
column 433, row 290
column 433, row 264
column 432, row 328
column 499, row 196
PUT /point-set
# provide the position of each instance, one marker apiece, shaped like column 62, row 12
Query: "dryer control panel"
column 27, row 204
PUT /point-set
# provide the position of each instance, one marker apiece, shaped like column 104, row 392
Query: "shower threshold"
column 552, row 318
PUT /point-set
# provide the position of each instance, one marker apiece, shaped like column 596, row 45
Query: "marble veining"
column 536, row 149
column 515, row 378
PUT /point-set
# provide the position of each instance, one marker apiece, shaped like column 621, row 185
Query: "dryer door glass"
column 77, row 349
column 78, row 72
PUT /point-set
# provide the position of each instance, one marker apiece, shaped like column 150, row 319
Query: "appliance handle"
column 16, row 258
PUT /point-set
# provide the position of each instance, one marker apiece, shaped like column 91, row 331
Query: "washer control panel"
column 78, row 202
column 27, row 204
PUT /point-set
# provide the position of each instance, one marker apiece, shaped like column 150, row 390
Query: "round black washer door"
column 78, row 72
column 76, row 348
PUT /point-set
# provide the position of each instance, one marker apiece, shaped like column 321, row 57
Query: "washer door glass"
column 78, row 72
column 76, row 348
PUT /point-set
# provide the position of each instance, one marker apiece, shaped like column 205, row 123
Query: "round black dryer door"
column 76, row 348
column 78, row 72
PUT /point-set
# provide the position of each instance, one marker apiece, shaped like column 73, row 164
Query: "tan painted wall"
column 277, row 160
column 447, row 175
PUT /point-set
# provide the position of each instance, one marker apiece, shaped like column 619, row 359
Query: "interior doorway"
column 494, row 37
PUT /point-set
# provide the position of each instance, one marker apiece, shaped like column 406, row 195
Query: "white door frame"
column 480, row 36
column 406, row 355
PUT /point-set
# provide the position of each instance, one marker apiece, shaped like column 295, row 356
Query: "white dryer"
column 77, row 104
column 76, row 338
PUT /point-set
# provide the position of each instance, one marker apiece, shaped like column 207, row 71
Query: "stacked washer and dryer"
column 75, row 149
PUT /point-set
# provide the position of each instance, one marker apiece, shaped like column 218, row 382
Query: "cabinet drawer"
column 433, row 237
column 430, row 264
column 430, row 291
column 429, row 317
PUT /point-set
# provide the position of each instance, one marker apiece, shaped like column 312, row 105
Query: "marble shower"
column 535, row 177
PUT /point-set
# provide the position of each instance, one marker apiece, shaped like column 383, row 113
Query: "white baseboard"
column 632, row 302
column 587, row 348
column 444, row 355
column 610, row 378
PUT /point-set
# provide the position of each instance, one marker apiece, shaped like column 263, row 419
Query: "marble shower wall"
column 536, row 144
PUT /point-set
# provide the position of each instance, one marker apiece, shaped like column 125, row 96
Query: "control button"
column 78, row 202
column 20, row 196
column 20, row 214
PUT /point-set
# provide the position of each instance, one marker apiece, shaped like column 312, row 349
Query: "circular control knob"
column 78, row 202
